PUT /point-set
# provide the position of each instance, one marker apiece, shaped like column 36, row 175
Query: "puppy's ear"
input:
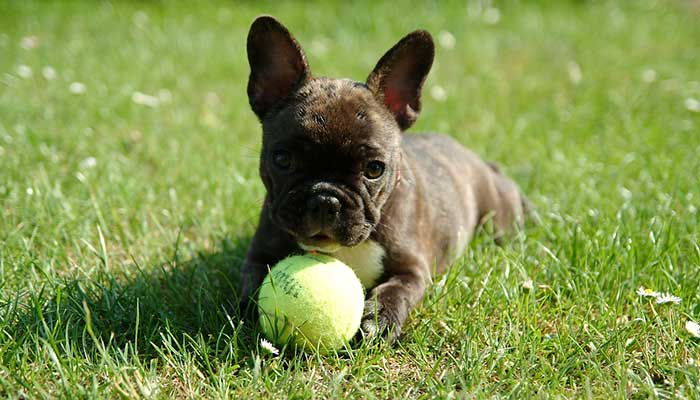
column 277, row 65
column 397, row 79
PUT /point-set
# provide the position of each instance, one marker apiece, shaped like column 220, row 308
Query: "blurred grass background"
column 129, row 190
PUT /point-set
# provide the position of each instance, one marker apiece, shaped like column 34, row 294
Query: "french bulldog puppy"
column 343, row 178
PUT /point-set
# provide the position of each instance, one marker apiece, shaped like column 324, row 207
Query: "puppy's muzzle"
column 323, row 209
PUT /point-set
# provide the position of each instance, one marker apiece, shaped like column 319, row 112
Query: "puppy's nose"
column 323, row 207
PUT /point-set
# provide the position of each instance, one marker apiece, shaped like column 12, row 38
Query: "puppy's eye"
column 374, row 169
column 282, row 159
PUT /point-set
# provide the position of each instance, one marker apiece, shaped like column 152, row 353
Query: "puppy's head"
column 331, row 147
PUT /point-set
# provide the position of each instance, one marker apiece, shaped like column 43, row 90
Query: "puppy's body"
column 455, row 191
column 341, row 177
column 455, row 173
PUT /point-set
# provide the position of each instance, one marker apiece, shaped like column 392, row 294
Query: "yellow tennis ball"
column 313, row 301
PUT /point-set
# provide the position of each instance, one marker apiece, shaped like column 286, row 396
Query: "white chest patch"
column 366, row 259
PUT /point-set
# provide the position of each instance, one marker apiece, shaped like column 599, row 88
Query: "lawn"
column 129, row 192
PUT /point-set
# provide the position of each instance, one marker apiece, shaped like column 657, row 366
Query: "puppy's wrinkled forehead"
column 329, row 111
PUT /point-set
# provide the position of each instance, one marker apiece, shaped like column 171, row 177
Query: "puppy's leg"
column 389, row 304
column 252, row 274
column 510, row 215
column 268, row 247
column 503, row 201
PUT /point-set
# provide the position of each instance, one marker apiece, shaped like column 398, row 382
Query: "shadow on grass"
column 171, row 307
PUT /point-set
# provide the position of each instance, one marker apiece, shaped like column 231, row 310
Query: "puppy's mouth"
column 320, row 237
column 320, row 242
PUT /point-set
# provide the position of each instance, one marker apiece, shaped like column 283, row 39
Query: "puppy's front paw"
column 379, row 322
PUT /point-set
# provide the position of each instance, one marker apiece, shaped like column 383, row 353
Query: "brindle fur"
column 432, row 197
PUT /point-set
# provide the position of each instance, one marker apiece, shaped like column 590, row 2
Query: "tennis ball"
column 313, row 301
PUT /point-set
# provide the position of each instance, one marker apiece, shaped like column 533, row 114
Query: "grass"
column 122, row 225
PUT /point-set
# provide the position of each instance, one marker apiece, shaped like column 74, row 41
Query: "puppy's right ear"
column 398, row 78
column 277, row 65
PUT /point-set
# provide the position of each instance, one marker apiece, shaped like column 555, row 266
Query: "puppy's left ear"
column 277, row 65
column 398, row 77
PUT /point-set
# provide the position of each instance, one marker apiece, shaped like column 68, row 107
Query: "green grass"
column 118, row 274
